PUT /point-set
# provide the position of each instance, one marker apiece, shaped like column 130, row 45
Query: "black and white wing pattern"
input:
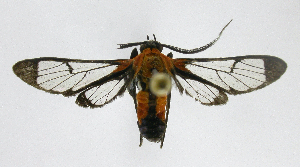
column 98, row 81
column 208, row 80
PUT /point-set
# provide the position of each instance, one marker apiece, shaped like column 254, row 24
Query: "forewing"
column 69, row 77
column 207, row 79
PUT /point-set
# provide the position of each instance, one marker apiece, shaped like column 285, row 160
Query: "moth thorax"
column 160, row 84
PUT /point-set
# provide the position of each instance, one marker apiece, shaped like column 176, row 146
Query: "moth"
column 99, row 82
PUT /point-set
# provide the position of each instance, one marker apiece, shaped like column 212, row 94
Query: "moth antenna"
column 154, row 37
column 196, row 50
column 147, row 37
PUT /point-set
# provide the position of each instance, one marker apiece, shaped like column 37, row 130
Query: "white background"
column 256, row 129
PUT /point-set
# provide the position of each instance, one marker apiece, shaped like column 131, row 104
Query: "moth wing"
column 208, row 80
column 70, row 77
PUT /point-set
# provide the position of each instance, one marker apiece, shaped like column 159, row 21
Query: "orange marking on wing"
column 123, row 65
column 180, row 63
column 142, row 107
column 161, row 103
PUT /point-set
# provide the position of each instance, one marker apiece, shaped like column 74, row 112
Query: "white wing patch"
column 62, row 76
column 239, row 75
column 203, row 93
column 104, row 93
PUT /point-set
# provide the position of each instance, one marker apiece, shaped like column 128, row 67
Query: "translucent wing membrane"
column 60, row 76
column 69, row 77
column 207, row 79
column 102, row 94
column 203, row 93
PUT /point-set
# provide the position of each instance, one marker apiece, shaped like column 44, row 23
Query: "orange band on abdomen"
column 142, row 105
column 161, row 103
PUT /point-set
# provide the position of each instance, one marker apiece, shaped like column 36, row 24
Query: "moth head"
column 151, row 44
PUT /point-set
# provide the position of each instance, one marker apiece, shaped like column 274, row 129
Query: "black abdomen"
column 152, row 128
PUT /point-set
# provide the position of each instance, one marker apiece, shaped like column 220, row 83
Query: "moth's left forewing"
column 100, row 81
column 207, row 79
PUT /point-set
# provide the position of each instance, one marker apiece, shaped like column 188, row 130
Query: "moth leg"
column 141, row 140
